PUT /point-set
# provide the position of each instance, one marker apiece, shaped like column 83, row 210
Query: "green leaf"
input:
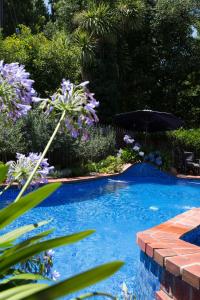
column 3, row 173
column 24, row 276
column 16, row 209
column 32, row 250
column 27, row 242
column 77, row 282
column 13, row 235
column 20, row 292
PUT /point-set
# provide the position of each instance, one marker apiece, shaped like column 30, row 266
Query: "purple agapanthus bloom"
column 77, row 103
column 20, row 170
column 128, row 139
column 41, row 264
column 16, row 90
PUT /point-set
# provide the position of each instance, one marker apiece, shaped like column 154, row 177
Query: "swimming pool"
column 117, row 208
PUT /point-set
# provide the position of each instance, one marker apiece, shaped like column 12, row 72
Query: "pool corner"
column 179, row 259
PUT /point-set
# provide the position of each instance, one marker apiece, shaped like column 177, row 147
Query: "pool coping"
column 163, row 244
column 106, row 175
column 89, row 177
column 82, row 178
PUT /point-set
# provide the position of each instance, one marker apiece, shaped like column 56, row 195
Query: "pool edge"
column 179, row 259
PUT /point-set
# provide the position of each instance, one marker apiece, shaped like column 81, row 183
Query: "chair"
column 190, row 163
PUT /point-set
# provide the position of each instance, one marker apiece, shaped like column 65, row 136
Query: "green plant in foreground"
column 75, row 108
column 16, row 284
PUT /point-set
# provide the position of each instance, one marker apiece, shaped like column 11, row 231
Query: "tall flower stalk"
column 76, row 107
column 30, row 178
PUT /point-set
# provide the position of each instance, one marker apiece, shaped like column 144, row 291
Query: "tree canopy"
column 136, row 54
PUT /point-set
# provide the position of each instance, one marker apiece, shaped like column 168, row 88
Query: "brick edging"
column 177, row 257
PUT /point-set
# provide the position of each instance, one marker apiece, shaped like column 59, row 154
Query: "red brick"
column 143, row 239
column 160, row 295
column 191, row 275
column 161, row 254
column 180, row 289
column 194, row 294
column 175, row 264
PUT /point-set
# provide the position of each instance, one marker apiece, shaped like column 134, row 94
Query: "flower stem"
column 41, row 158
column 93, row 294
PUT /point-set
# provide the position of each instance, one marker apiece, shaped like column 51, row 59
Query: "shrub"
column 34, row 131
column 48, row 60
column 99, row 146
column 128, row 155
column 11, row 138
column 110, row 165
column 186, row 139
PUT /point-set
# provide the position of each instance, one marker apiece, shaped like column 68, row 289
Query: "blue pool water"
column 117, row 208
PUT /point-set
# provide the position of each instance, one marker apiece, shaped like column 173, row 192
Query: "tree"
column 33, row 13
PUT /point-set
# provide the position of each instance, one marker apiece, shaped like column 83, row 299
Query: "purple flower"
column 16, row 90
column 136, row 148
column 77, row 103
column 55, row 275
column 128, row 139
column 50, row 252
column 20, row 170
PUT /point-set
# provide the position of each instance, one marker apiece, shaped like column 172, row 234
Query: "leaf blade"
column 32, row 250
column 77, row 282
column 14, row 234
column 16, row 209
column 19, row 291
column 3, row 173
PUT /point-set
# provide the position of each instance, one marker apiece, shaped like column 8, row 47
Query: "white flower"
column 128, row 139
column 119, row 152
column 141, row 153
column 124, row 288
column 136, row 148
column 55, row 275
column 50, row 252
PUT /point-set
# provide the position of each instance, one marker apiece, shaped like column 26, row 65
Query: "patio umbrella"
column 148, row 121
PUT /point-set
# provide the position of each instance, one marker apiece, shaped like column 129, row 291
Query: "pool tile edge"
column 179, row 258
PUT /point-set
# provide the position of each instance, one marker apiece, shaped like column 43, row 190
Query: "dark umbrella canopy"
column 148, row 120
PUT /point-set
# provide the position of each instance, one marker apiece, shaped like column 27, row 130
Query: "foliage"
column 100, row 144
column 186, row 139
column 158, row 68
column 128, row 155
column 33, row 13
column 34, row 131
column 43, row 57
column 9, row 144
column 167, row 160
column 110, row 165
column 137, row 54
